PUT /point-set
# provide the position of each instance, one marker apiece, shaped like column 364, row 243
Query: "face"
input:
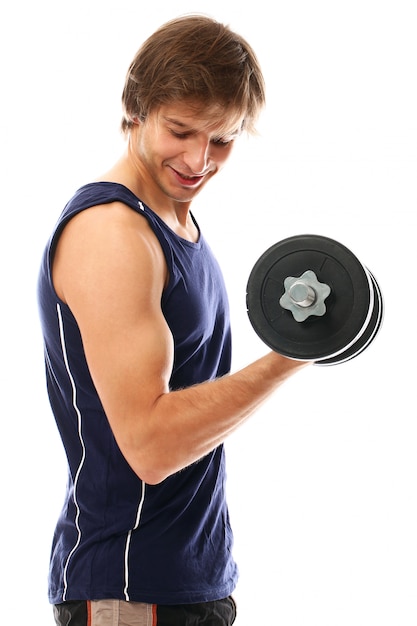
column 178, row 149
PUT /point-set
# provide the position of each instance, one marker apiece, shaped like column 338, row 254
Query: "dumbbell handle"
column 302, row 294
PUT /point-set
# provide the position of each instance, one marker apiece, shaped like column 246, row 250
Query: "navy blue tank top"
column 116, row 536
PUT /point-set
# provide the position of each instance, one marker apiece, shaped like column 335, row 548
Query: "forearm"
column 185, row 425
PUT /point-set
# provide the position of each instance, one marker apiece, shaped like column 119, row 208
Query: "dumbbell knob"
column 304, row 296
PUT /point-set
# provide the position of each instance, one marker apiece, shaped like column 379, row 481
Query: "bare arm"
column 110, row 270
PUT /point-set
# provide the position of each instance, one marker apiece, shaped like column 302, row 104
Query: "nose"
column 197, row 155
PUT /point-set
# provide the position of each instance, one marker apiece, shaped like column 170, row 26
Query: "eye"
column 179, row 135
column 221, row 142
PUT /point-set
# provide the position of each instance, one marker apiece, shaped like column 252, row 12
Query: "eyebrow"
column 176, row 122
column 191, row 130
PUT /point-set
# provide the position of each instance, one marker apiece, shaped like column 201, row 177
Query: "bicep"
column 111, row 274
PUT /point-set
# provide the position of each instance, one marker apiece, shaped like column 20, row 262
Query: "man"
column 137, row 349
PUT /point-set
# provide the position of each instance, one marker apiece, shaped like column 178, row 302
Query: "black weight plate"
column 349, row 304
column 369, row 333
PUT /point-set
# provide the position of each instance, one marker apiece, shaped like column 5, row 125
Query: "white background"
column 322, row 481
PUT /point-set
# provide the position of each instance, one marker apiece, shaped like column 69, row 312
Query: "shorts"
column 122, row 613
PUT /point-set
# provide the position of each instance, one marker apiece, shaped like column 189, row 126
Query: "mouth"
column 187, row 181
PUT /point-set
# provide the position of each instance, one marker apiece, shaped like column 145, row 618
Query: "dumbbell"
column 309, row 298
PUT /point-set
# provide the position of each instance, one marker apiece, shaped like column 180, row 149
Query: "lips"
column 187, row 181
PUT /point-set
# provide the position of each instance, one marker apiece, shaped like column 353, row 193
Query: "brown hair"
column 198, row 59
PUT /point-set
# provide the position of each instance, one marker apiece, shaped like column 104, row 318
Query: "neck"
column 174, row 213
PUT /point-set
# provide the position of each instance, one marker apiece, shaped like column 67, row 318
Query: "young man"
column 137, row 349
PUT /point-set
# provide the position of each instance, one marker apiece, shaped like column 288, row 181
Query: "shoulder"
column 106, row 240
column 113, row 227
column 113, row 216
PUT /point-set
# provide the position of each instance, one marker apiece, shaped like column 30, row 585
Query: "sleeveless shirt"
column 116, row 536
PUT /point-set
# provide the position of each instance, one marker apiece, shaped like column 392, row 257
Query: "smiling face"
column 179, row 147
